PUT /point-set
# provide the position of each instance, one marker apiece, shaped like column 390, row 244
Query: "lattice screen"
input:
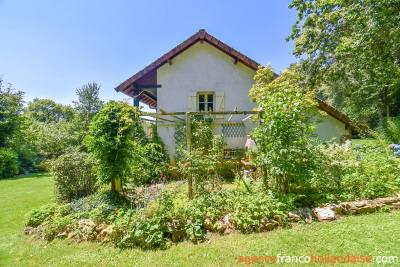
column 233, row 129
column 180, row 140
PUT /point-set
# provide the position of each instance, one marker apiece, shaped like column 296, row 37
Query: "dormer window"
column 205, row 101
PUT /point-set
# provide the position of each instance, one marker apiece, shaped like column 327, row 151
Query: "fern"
column 390, row 129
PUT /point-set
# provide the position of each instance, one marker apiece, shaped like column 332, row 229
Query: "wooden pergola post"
column 188, row 136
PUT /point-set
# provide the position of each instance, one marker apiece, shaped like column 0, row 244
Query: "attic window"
column 205, row 101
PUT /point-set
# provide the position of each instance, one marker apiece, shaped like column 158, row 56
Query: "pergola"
column 179, row 117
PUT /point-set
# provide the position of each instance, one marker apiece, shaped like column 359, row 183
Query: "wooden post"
column 136, row 98
column 188, row 136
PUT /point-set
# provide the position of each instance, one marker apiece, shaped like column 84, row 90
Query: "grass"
column 365, row 142
column 373, row 234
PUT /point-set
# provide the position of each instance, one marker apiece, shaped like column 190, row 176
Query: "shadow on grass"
column 24, row 176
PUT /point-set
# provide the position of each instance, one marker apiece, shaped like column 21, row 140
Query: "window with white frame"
column 205, row 101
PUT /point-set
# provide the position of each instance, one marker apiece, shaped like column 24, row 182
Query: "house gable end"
column 200, row 36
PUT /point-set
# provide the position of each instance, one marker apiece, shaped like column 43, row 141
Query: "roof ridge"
column 201, row 35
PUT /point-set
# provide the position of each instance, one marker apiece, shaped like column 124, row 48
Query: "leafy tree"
column 49, row 128
column 11, row 105
column 351, row 49
column 116, row 139
column 46, row 110
column 89, row 103
column 8, row 163
column 285, row 139
column 51, row 138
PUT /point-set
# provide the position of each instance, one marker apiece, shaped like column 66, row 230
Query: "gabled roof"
column 201, row 35
column 340, row 116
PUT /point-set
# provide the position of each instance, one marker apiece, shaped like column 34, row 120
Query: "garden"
column 116, row 185
column 95, row 179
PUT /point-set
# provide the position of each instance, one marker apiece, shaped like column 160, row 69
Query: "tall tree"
column 351, row 49
column 11, row 105
column 89, row 103
column 46, row 110
column 285, row 137
column 115, row 140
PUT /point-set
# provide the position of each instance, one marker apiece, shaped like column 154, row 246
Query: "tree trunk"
column 116, row 185
column 398, row 57
column 387, row 104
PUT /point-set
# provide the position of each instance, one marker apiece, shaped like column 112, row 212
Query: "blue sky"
column 50, row 48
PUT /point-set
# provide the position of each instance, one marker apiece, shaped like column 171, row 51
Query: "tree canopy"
column 350, row 53
column 88, row 103
column 11, row 105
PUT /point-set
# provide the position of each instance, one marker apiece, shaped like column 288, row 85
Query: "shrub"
column 116, row 139
column 206, row 159
column 8, row 163
column 389, row 129
column 350, row 173
column 97, row 206
column 167, row 216
column 37, row 216
column 154, row 161
column 285, row 138
column 73, row 176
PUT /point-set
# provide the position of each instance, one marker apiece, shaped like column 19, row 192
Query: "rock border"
column 87, row 230
column 329, row 212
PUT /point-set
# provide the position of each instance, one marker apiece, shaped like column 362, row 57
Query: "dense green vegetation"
column 374, row 234
column 350, row 57
column 350, row 54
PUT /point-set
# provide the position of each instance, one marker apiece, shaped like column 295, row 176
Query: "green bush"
column 97, row 206
column 349, row 173
column 37, row 216
column 285, row 137
column 153, row 222
column 73, row 176
column 45, row 165
column 8, row 163
column 206, row 157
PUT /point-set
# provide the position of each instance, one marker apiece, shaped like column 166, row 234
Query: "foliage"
column 347, row 47
column 73, row 176
column 8, row 163
column 349, row 173
column 11, row 104
column 153, row 161
column 25, row 149
column 36, row 217
column 87, row 106
column 377, row 228
column 248, row 209
column 97, row 206
column 167, row 214
column 205, row 157
column 115, row 140
column 285, row 139
column 389, row 129
column 46, row 110
column 51, row 138
column 89, row 103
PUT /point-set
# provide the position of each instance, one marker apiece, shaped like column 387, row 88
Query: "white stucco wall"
column 203, row 68
column 329, row 128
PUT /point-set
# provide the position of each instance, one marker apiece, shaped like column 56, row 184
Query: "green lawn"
column 365, row 142
column 375, row 234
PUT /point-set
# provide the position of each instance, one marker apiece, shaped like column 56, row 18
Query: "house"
column 203, row 74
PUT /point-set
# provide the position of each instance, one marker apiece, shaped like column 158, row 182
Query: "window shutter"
column 192, row 101
column 219, row 103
